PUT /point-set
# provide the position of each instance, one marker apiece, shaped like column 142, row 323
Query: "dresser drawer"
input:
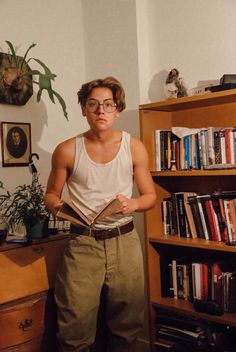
column 30, row 346
column 22, row 321
column 29, row 270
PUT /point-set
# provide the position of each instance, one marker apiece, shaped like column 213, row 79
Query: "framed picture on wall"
column 16, row 143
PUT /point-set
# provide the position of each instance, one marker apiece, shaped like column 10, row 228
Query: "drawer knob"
column 37, row 249
column 26, row 324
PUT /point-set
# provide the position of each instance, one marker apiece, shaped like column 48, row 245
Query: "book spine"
column 211, row 151
column 181, row 215
column 204, row 147
column 166, row 280
column 222, row 146
column 229, row 230
column 196, row 216
column 174, row 278
column 157, row 150
column 213, row 221
column 187, row 152
column 196, row 279
column 203, row 219
column 197, row 158
column 217, row 147
column 190, row 220
column 232, row 218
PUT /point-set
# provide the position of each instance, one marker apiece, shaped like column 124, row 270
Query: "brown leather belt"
column 102, row 234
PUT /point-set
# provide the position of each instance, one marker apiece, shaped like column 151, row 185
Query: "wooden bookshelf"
column 212, row 109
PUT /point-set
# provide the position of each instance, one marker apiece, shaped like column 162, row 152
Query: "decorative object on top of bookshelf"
column 228, row 78
column 227, row 81
column 16, row 143
column 16, row 79
column 174, row 85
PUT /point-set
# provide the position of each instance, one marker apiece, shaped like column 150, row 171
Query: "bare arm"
column 62, row 164
column 143, row 180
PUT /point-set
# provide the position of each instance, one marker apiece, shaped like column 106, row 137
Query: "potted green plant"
column 17, row 78
column 25, row 206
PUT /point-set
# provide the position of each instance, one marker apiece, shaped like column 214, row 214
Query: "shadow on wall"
column 129, row 121
column 36, row 114
column 156, row 87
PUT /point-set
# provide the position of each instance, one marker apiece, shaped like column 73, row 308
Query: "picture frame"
column 15, row 143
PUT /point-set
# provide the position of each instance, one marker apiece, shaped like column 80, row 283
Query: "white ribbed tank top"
column 91, row 185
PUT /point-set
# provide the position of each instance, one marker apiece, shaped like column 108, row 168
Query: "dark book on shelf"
column 163, row 345
column 179, row 212
column 164, row 149
column 181, row 321
column 196, row 216
column 217, row 147
column 166, row 209
column 232, row 293
column 197, row 159
column 166, row 277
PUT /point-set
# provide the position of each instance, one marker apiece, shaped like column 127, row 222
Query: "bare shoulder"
column 65, row 151
column 137, row 145
column 138, row 150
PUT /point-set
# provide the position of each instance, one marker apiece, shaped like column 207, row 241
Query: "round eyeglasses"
column 93, row 105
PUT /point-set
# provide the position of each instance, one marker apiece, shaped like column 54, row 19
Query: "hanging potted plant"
column 25, row 206
column 17, row 79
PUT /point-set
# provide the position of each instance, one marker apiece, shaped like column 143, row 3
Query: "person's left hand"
column 128, row 205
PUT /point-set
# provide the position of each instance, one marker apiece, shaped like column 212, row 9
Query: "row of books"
column 206, row 216
column 204, row 148
column 181, row 333
column 200, row 280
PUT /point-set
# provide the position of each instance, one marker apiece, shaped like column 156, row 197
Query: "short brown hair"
column 108, row 82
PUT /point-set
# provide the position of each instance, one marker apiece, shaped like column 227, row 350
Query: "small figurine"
column 174, row 87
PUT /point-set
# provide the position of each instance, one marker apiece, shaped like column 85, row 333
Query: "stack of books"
column 186, row 334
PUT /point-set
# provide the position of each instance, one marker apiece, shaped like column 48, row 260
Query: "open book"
column 70, row 212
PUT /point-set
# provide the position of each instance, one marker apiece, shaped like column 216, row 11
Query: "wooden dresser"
column 27, row 308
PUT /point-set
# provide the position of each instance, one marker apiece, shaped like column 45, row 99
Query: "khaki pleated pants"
column 87, row 266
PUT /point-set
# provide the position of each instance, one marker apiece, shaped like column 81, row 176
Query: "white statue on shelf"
column 174, row 87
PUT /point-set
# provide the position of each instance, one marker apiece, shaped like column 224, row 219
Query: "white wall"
column 79, row 40
column 57, row 29
column 197, row 37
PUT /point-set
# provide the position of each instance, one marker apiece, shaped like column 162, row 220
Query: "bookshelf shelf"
column 193, row 102
column 211, row 109
column 186, row 308
column 194, row 173
column 193, row 242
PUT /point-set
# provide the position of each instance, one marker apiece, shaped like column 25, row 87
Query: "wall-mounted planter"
column 16, row 86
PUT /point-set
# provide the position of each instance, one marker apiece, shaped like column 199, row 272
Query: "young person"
column 97, row 166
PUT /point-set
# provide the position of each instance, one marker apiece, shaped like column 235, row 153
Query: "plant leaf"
column 12, row 52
